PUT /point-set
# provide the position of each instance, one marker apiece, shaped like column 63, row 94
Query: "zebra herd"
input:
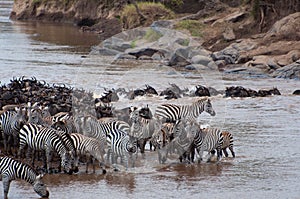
column 78, row 136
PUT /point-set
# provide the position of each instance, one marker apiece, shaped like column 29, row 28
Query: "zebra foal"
column 11, row 169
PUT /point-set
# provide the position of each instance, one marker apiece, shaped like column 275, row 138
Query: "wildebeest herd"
column 58, row 122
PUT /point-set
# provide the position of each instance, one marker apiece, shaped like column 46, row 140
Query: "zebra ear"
column 40, row 176
column 208, row 100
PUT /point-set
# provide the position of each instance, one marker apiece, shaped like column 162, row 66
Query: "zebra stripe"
column 142, row 129
column 11, row 169
column 42, row 138
column 227, row 143
column 182, row 142
column 208, row 139
column 91, row 127
column 163, row 135
column 120, row 144
column 90, row 147
column 172, row 112
column 10, row 123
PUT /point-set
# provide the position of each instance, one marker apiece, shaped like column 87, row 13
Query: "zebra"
column 10, row 124
column 172, row 112
column 67, row 126
column 181, row 144
column 207, row 139
column 163, row 135
column 227, row 143
column 91, row 127
column 90, row 147
column 46, row 139
column 142, row 129
column 120, row 144
column 11, row 169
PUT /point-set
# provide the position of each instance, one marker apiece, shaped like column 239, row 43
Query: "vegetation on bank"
column 193, row 26
column 143, row 14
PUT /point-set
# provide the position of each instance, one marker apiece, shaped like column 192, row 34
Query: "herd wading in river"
column 66, row 127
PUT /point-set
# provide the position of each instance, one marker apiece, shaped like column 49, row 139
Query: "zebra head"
column 162, row 155
column 208, row 108
column 39, row 187
column 132, row 145
column 67, row 162
column 20, row 118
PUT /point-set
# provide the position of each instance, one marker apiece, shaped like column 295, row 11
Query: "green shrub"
column 193, row 26
column 152, row 12
column 152, row 35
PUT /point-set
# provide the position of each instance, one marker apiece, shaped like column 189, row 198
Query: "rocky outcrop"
column 291, row 71
column 274, row 52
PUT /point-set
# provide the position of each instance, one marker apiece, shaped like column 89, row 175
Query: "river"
column 266, row 130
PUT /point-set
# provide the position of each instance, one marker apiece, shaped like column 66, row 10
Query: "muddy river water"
column 266, row 130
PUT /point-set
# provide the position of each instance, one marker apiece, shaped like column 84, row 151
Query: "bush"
column 193, row 26
column 151, row 11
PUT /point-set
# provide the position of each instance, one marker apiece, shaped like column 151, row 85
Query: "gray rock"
column 182, row 41
column 291, row 71
column 121, row 56
column 104, row 51
column 200, row 59
column 162, row 24
column 179, row 58
column 212, row 65
column 190, row 67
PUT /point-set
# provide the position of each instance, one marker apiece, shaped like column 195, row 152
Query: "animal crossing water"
column 265, row 130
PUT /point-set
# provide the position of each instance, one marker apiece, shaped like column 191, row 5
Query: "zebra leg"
column 225, row 152
column 21, row 147
column 200, row 154
column 124, row 159
column 4, row 142
column 9, row 144
column 94, row 166
column 232, row 152
column 142, row 144
column 6, row 184
column 48, row 160
column 88, row 159
column 219, row 152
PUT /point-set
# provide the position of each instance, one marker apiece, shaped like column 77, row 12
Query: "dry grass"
column 152, row 12
column 194, row 27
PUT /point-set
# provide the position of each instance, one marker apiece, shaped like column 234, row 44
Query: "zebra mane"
column 201, row 100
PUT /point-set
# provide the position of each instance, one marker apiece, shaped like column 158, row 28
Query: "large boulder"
column 291, row 71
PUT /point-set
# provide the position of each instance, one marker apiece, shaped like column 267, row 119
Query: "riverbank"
column 227, row 36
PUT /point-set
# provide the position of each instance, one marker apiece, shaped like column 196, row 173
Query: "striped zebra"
column 227, row 143
column 91, row 127
column 91, row 147
column 11, row 169
column 181, row 144
column 172, row 112
column 10, row 124
column 45, row 139
column 208, row 139
column 67, row 126
column 142, row 129
column 120, row 144
column 163, row 135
